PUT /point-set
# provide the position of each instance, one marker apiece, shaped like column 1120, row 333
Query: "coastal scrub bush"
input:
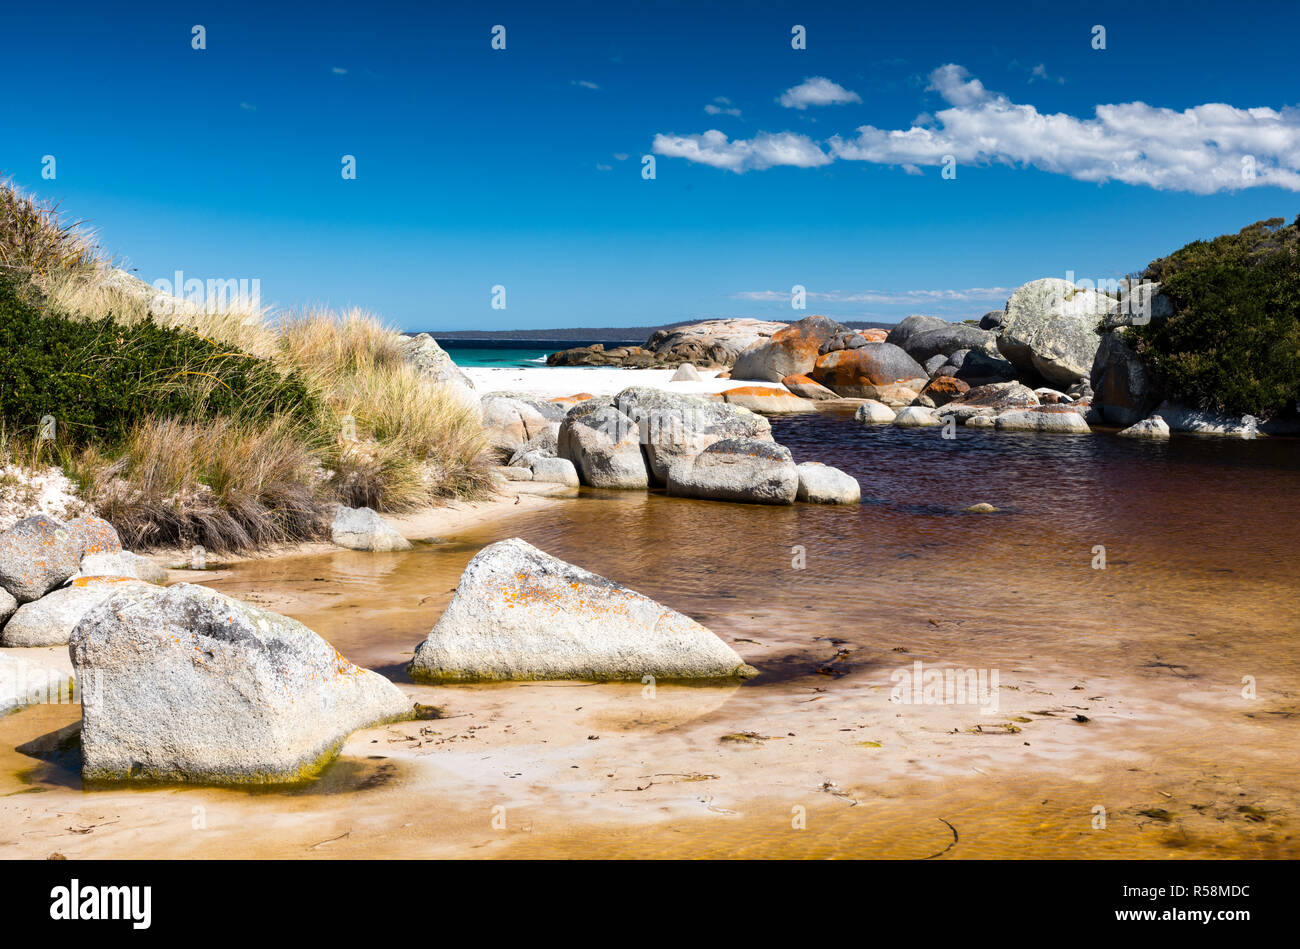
column 98, row 378
column 1233, row 343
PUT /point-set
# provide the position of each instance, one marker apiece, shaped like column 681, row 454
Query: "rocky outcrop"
column 362, row 529
column 1123, row 389
column 1051, row 330
column 949, row 339
column 978, row 368
column 50, row 620
column 943, row 389
column 712, row 344
column 822, row 484
column 791, row 351
column 37, row 555
column 911, row 326
column 604, row 446
column 622, row 357
column 194, row 686
column 767, row 401
column 1181, row 418
column 521, row 614
column 737, row 469
column 675, row 426
column 849, row 372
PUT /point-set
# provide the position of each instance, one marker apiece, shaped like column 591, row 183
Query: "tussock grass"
column 33, row 239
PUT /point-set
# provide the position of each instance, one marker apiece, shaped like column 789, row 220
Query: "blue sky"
column 522, row 167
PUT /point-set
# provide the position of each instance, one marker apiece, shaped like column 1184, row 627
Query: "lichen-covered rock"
column 675, row 426
column 123, row 564
column 990, row 399
column 849, row 372
column 872, row 412
column 737, row 469
column 1153, row 427
column 768, row 401
column 790, row 351
column 1051, row 329
column 362, row 529
column 604, row 446
column 943, row 389
column 95, row 535
column 712, row 343
column 519, row 613
column 50, row 620
column 806, row 388
column 1055, row 419
column 822, row 484
column 193, row 686
column 37, row 555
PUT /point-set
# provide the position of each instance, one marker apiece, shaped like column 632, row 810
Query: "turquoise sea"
column 509, row 352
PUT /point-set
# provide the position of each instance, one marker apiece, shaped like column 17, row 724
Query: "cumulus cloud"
column 817, row 90
column 764, row 150
column 1204, row 149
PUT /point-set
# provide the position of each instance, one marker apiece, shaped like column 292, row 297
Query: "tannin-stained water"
column 1161, row 688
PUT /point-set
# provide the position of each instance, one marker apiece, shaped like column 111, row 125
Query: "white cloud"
column 721, row 106
column 338, row 70
column 1204, row 149
column 817, row 90
column 585, row 83
column 764, row 150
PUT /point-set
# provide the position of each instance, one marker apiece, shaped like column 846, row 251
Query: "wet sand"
column 1119, row 689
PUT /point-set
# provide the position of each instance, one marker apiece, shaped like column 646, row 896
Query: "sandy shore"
column 597, row 380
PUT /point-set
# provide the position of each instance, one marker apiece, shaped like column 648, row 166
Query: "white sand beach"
column 597, row 380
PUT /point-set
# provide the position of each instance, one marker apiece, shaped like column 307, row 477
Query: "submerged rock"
column 737, row 469
column 872, row 412
column 50, row 620
column 362, row 529
column 519, row 613
column 37, row 555
column 1153, row 427
column 194, row 686
column 822, row 484
column 1057, row 419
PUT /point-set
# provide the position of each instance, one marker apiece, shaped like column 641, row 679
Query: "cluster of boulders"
column 1056, row 359
column 708, row 447
column 52, row 574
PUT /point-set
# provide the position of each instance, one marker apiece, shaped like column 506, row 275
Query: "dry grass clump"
column 34, row 241
column 396, row 438
column 227, row 484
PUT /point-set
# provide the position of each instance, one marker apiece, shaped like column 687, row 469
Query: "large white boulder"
column 737, row 469
column 519, row 613
column 604, row 446
column 1051, row 329
column 50, row 620
column 185, row 684
column 360, row 528
column 822, row 484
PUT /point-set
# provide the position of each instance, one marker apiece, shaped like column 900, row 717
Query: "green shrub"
column 1233, row 343
column 99, row 378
